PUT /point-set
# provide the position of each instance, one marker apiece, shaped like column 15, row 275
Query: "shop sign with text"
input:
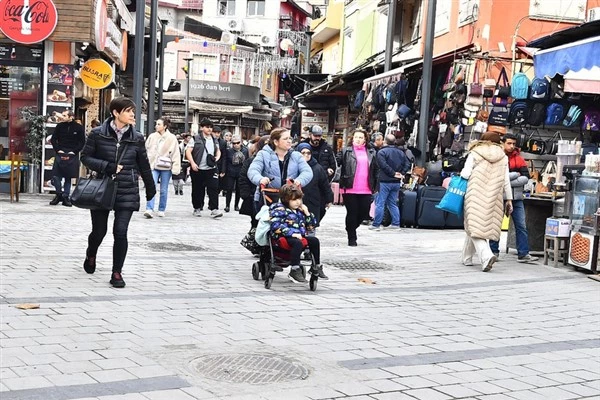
column 28, row 21
column 96, row 73
column 221, row 120
column 237, row 94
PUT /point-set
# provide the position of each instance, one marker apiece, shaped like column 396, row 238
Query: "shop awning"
column 395, row 71
column 570, row 57
column 258, row 116
column 583, row 81
column 219, row 108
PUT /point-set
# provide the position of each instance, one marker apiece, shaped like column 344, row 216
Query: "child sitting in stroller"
column 290, row 223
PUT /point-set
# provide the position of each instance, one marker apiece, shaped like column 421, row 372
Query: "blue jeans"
column 387, row 197
column 165, row 177
column 61, row 190
column 518, row 219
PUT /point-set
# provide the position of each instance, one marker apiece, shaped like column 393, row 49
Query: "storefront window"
column 19, row 89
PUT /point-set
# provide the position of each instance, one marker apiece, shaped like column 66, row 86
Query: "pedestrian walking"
column 317, row 193
column 247, row 189
column 235, row 157
column 277, row 163
column 321, row 150
column 203, row 155
column 67, row 141
column 165, row 160
column 358, row 181
column 180, row 179
column 519, row 176
column 116, row 139
column 486, row 169
column 393, row 165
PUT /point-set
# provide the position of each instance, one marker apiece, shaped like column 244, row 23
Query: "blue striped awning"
column 568, row 57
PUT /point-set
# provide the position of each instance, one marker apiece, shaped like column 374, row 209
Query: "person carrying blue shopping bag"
column 454, row 199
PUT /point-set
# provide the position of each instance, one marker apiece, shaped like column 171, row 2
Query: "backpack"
column 572, row 116
column 400, row 89
column 540, row 89
column 519, row 88
column 390, row 93
column 554, row 114
column 519, row 113
column 591, row 120
column 537, row 114
column 359, row 99
column 378, row 100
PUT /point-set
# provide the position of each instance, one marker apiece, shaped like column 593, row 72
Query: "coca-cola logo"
column 28, row 21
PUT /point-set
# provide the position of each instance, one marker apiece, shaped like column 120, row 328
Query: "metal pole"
column 187, row 94
column 161, row 67
column 152, row 77
column 138, row 60
column 389, row 46
column 426, row 84
column 307, row 58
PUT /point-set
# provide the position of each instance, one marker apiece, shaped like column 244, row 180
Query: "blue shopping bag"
column 454, row 199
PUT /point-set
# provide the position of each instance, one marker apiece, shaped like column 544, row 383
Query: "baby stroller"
column 276, row 255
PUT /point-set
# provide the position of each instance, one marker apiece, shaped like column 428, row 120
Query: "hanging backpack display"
column 359, row 99
column 519, row 113
column 502, row 91
column 537, row 115
column 540, row 89
column 554, row 114
column 573, row 116
column 591, row 121
column 519, row 88
column 498, row 116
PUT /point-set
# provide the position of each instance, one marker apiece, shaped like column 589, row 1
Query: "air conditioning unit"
column 228, row 38
column 593, row 14
column 267, row 41
column 234, row 25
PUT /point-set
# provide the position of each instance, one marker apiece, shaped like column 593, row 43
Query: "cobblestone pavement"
column 193, row 324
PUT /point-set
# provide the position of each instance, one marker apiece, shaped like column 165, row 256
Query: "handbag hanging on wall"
column 552, row 143
column 476, row 88
column 502, row 91
column 535, row 146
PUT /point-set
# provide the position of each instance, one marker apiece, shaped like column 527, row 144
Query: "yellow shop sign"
column 96, row 73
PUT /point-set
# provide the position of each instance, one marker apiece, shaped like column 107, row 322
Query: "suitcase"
column 408, row 208
column 337, row 196
column 454, row 221
column 428, row 216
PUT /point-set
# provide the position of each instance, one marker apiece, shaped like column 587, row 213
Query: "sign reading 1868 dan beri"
column 234, row 93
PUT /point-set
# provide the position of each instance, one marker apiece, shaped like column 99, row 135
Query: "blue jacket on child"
column 286, row 222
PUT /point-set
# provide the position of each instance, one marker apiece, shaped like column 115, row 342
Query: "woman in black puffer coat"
column 116, row 148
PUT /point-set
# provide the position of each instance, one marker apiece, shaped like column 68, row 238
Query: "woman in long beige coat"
column 486, row 169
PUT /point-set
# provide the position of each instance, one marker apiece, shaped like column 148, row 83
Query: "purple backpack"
column 591, row 121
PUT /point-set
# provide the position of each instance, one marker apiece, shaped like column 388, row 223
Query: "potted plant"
column 36, row 133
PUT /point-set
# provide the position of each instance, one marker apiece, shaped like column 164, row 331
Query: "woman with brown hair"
column 358, row 181
column 486, row 169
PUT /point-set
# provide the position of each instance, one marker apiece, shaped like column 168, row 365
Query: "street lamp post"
column 187, row 92
column 161, row 66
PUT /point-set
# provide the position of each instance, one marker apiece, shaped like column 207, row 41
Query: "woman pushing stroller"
column 290, row 223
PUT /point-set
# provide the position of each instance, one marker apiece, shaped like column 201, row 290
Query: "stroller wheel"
column 255, row 271
column 313, row 283
column 268, row 282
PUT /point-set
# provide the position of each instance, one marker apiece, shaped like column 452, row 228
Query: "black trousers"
column 99, row 229
column 230, row 187
column 296, row 249
column 205, row 182
column 357, row 210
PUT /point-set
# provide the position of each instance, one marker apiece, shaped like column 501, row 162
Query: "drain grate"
column 172, row 246
column 255, row 369
column 359, row 265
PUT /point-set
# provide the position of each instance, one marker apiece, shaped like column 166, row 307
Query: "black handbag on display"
column 94, row 193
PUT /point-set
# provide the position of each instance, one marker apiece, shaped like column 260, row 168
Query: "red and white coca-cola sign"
column 28, row 21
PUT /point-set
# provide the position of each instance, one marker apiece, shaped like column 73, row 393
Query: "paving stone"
column 70, row 379
column 31, row 382
column 457, row 391
column 111, row 375
column 427, row 394
column 353, row 388
column 385, row 385
column 392, row 396
column 556, row 393
column 581, row 390
column 167, row 395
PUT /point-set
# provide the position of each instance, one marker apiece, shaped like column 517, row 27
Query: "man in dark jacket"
column 322, row 151
column 318, row 195
column 203, row 154
column 393, row 164
column 67, row 141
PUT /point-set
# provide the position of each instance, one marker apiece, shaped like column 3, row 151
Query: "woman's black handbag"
column 95, row 193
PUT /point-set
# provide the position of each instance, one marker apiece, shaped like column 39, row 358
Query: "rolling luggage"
column 408, row 208
column 454, row 221
column 428, row 216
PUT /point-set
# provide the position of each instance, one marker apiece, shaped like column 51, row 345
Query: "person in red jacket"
column 519, row 176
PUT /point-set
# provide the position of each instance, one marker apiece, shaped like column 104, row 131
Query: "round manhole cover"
column 249, row 368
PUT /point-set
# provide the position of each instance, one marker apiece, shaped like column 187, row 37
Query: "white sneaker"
column 161, row 213
column 148, row 214
column 527, row 258
column 393, row 228
column 468, row 263
column 197, row 212
column 216, row 214
column 374, row 228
